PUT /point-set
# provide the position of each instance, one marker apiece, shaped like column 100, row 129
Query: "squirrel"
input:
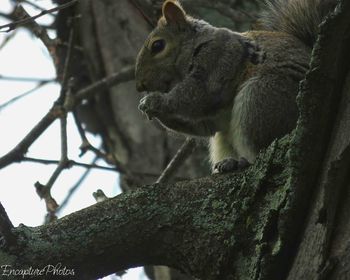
column 238, row 89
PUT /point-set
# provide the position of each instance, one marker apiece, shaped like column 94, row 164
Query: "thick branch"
column 6, row 228
column 195, row 220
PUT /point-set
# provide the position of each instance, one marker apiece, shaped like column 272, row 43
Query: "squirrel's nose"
column 140, row 86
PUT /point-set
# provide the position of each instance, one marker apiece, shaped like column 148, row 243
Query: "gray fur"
column 239, row 89
column 300, row 18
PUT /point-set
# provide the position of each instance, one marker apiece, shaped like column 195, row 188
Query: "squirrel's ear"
column 255, row 54
column 173, row 12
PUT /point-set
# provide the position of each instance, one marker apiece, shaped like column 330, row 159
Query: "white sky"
column 25, row 56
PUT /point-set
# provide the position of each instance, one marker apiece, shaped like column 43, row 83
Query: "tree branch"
column 26, row 79
column 124, row 75
column 181, row 155
column 17, row 153
column 32, row 4
column 185, row 218
column 70, row 163
column 22, row 95
column 6, row 228
column 75, row 187
column 34, row 27
column 28, row 19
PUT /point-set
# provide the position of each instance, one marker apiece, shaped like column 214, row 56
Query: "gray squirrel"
column 239, row 89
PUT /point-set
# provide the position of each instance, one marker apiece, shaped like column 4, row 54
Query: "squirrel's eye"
column 157, row 46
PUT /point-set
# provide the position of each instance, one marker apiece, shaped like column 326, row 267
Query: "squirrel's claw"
column 149, row 105
column 230, row 164
column 144, row 108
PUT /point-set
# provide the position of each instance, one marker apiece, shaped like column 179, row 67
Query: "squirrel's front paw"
column 230, row 165
column 151, row 104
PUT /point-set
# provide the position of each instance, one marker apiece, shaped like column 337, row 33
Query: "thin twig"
column 65, row 44
column 99, row 196
column 124, row 75
column 44, row 191
column 15, row 24
column 7, row 39
column 17, row 153
column 150, row 22
column 7, row 16
column 6, row 227
column 81, row 131
column 64, row 80
column 37, row 30
column 75, row 187
column 182, row 154
column 87, row 146
column 33, row 5
column 70, row 163
column 63, row 163
column 12, row 18
column 18, row 97
column 26, row 79
column 51, row 204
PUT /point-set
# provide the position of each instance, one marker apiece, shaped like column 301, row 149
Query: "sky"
column 25, row 56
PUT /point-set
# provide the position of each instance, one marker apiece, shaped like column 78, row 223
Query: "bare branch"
column 67, row 86
column 17, row 153
column 35, row 28
column 26, row 79
column 33, row 5
column 87, row 146
column 70, row 163
column 64, row 162
column 26, row 20
column 149, row 20
column 6, row 227
column 7, row 39
column 11, row 17
column 124, row 75
column 18, row 97
column 99, row 196
column 75, row 187
column 182, row 154
column 44, row 191
column 51, row 204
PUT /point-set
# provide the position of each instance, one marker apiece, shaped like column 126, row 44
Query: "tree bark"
column 203, row 227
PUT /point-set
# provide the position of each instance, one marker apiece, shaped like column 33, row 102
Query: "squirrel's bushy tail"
column 299, row 18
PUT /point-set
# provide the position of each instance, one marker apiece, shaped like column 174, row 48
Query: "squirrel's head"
column 161, row 62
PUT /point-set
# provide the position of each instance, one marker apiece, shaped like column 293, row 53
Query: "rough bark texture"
column 324, row 241
column 212, row 227
column 237, row 226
